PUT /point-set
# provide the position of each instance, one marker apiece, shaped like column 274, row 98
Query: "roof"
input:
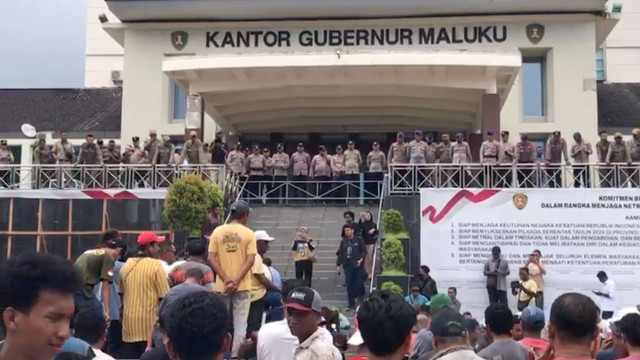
column 70, row 110
column 618, row 105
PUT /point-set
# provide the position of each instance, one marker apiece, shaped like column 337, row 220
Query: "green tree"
column 392, row 287
column 189, row 200
column 392, row 222
column 392, row 255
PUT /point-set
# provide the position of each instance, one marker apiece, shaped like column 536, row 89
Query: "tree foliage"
column 392, row 222
column 392, row 287
column 189, row 200
column 392, row 255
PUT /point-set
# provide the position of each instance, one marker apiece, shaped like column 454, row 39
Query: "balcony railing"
column 103, row 176
column 410, row 178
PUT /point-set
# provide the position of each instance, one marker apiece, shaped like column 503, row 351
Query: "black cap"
column 304, row 299
column 135, row 138
column 556, row 133
column 350, row 142
column 256, row 147
column 375, row 143
column 3, row 142
column 280, row 146
column 339, row 147
column 300, row 144
column 505, row 132
column 321, row 148
column 448, row 323
column 239, row 208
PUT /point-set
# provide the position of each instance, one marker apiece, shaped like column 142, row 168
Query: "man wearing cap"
column 320, row 171
column 192, row 150
column 580, row 152
column 634, row 148
column 432, row 158
column 300, row 162
column 417, row 149
column 142, row 284
column 423, row 348
column 450, row 337
column 236, row 160
column 256, row 162
column 506, row 159
column 281, row 163
column 352, row 163
column 532, row 320
column 338, row 171
column 398, row 155
column 461, row 155
column 6, row 157
column 260, row 283
column 376, row 163
column 602, row 148
column 134, row 154
column 303, row 306
column 556, row 151
column 91, row 154
column 63, row 150
column 445, row 156
column 620, row 154
column 489, row 153
column 526, row 155
column 232, row 252
column 151, row 146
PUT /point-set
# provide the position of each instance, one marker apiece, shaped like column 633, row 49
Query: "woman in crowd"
column 426, row 283
column 303, row 255
column 370, row 236
column 537, row 273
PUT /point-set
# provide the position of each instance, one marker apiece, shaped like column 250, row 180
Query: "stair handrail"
column 383, row 190
column 238, row 197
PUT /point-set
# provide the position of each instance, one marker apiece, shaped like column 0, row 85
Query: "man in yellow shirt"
column 260, row 283
column 527, row 289
column 232, row 252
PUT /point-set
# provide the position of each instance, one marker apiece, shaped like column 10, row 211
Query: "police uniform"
column 634, row 148
column 90, row 154
column 111, row 156
column 281, row 163
column 621, row 154
column 6, row 158
column 417, row 152
column 151, row 147
column 605, row 172
column 236, row 161
column 268, row 174
column 300, row 162
column 398, row 153
column 192, row 152
column 338, row 171
column 376, row 162
column 556, row 151
column 42, row 154
column 580, row 152
column 256, row 163
column 526, row 154
column 63, row 152
column 489, row 154
column 506, row 160
column 320, row 171
column 352, row 161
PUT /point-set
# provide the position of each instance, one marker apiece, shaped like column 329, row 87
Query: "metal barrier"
column 377, row 245
column 410, row 178
column 294, row 191
column 103, row 176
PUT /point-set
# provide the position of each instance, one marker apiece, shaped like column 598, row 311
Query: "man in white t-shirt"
column 608, row 294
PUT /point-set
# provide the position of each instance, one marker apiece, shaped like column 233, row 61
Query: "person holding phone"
column 608, row 294
column 303, row 255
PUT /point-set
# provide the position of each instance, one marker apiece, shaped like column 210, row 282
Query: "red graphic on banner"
column 481, row 196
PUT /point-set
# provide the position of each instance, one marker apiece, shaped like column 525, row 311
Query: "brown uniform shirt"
column 507, row 152
column 337, row 164
column 580, row 152
column 618, row 153
column 281, row 164
column 398, row 153
column 461, row 153
column 376, row 161
column 300, row 163
column 235, row 161
column 320, row 166
column 489, row 152
column 256, row 164
column 352, row 160
column 602, row 148
column 445, row 152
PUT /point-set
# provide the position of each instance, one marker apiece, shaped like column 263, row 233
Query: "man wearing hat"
column 151, row 146
column 417, row 149
column 556, row 151
column 619, row 153
column 236, row 160
column 260, row 282
column 256, row 163
column 192, row 150
column 580, row 152
column 450, row 337
column 63, row 150
column 489, row 153
column 134, row 154
column 506, row 160
column 461, row 155
column 376, row 162
column 532, row 321
column 142, row 283
column 602, row 148
column 634, row 148
column 300, row 162
column 232, row 253
column 303, row 306
column 398, row 150
column 423, row 348
column 352, row 162
column 338, row 170
column 320, row 171
column 526, row 154
column 281, row 163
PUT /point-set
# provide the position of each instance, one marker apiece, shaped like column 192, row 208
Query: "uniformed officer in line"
column 506, row 160
column 6, row 158
column 281, row 164
column 461, row 155
column 63, row 150
column 236, row 160
column 376, row 163
column 338, row 171
column 134, row 154
column 445, row 157
column 489, row 153
column 91, row 154
column 605, row 172
column 111, row 156
column 526, row 154
column 620, row 154
column 431, row 159
column 268, row 173
column 151, row 146
column 400, row 177
column 320, row 171
column 353, row 161
column 580, row 152
column 634, row 148
column 300, row 162
column 417, row 153
column 208, row 157
column 432, row 149
column 556, row 151
column 43, row 155
column 256, row 162
column 192, row 150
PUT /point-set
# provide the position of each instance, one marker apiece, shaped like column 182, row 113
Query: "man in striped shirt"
column 143, row 283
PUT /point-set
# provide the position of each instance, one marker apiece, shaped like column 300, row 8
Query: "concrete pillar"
column 491, row 114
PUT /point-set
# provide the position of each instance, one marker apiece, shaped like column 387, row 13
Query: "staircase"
column 324, row 224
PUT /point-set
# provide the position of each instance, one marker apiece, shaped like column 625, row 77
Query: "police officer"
column 151, row 146
column 320, row 171
column 432, row 150
column 165, row 151
column 506, row 160
column 63, row 150
column 431, row 159
column 111, row 156
column 580, row 152
column 462, row 155
column 556, row 151
column 352, row 161
column 268, row 173
column 526, row 154
column 619, row 154
column 398, row 156
column 6, row 158
column 43, row 155
column 300, row 162
column 281, row 163
column 376, row 163
column 417, row 153
column 256, row 162
column 134, row 154
column 338, row 170
column 192, row 150
column 605, row 172
column 91, row 154
column 489, row 153
column 236, row 160
column 445, row 157
column 634, row 147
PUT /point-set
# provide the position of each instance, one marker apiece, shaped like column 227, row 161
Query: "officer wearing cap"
column 165, row 152
column 352, row 161
column 417, row 149
column 450, row 337
column 338, row 171
column 506, row 160
column 376, row 162
column 445, row 150
column 580, row 152
column 6, row 157
column 90, row 153
column 256, row 163
column 526, row 154
column 619, row 153
column 236, row 160
column 320, row 171
column 151, row 146
column 602, row 148
column 192, row 150
column 461, row 151
column 489, row 154
column 42, row 153
column 432, row 149
column 556, row 151
column 634, row 147
column 398, row 150
column 63, row 150
column 134, row 154
column 300, row 162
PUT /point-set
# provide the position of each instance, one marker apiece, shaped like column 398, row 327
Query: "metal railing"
column 410, row 178
column 377, row 245
column 294, row 191
column 103, row 176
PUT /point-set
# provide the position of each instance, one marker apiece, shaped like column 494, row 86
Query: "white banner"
column 578, row 231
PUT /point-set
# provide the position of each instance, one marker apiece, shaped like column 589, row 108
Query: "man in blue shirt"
column 273, row 300
column 415, row 298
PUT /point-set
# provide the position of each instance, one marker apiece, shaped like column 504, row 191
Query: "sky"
column 42, row 43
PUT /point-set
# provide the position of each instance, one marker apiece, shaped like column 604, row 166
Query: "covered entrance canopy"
column 363, row 92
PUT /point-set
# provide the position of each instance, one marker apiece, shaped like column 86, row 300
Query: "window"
column 533, row 86
column 179, row 101
column 600, row 69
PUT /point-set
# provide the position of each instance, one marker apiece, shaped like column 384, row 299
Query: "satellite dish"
column 28, row 130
